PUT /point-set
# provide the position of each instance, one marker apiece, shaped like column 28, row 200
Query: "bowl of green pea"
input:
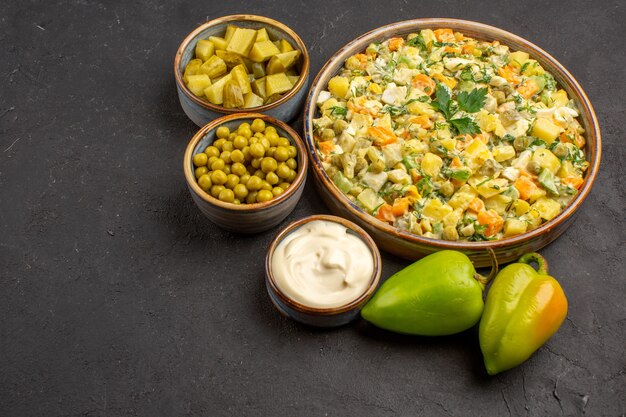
column 246, row 171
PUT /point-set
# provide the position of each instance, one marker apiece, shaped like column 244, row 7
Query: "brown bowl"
column 411, row 246
column 200, row 111
column 244, row 218
column 321, row 317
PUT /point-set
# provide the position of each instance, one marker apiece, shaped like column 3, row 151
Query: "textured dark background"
column 117, row 298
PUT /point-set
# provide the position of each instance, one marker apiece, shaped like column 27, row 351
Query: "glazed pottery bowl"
column 321, row 317
column 200, row 111
column 244, row 218
column 411, row 246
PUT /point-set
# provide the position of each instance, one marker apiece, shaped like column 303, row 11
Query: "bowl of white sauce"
column 321, row 270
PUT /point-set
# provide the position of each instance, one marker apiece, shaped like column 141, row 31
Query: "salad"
column 449, row 137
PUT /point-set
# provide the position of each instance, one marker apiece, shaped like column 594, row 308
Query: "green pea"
column 284, row 185
column 283, row 142
column 237, row 156
column 258, row 125
column 254, row 183
column 245, row 132
column 226, row 195
column 244, row 178
column 200, row 171
column 281, row 154
column 292, row 175
column 272, row 136
column 236, row 201
column 219, row 177
column 291, row 163
column 225, row 156
column 283, row 171
column 269, row 129
column 265, row 142
column 257, row 150
column 226, row 169
column 264, row 195
column 259, row 173
column 205, row 182
column 276, row 191
column 222, row 132
column 218, row 164
column 240, row 191
column 251, row 198
column 216, row 190
column 212, row 151
column 268, row 165
column 256, row 162
column 266, row 186
column 270, row 151
column 228, row 146
column 219, row 143
column 231, row 181
column 246, row 154
column 213, row 159
column 292, row 151
column 272, row 178
column 240, row 142
column 238, row 169
column 200, row 159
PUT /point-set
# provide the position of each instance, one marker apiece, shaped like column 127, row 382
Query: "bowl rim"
column 214, row 124
column 327, row 311
column 178, row 74
column 387, row 31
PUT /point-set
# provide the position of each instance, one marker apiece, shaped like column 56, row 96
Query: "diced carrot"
column 468, row 49
column 425, row 83
column 357, row 105
column 415, row 176
column 483, row 138
column 477, row 205
column 382, row 136
column 423, row 120
column 528, row 88
column 395, row 44
column 362, row 60
column 492, row 220
column 444, row 35
column 525, row 187
column 453, row 50
column 573, row 181
column 411, row 192
column 400, row 206
column 508, row 73
column 449, row 81
column 385, row 213
column 572, row 137
column 456, row 163
column 326, row 147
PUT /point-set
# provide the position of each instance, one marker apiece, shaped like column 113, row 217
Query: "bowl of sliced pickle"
column 241, row 63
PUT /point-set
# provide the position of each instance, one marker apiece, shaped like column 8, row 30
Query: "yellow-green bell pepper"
column 524, row 308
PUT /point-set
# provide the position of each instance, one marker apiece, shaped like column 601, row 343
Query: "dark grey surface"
column 118, row 298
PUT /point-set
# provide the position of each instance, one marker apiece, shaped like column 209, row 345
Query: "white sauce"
column 321, row 265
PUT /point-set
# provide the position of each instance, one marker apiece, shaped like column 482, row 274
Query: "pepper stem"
column 542, row 263
column 482, row 280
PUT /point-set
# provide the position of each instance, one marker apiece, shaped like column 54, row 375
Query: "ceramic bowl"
column 321, row 317
column 244, row 218
column 201, row 111
column 411, row 246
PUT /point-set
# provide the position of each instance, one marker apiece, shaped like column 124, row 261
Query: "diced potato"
column 545, row 130
column 536, row 194
column 533, row 219
column 261, row 35
column 533, row 68
column 338, row 86
column 192, row 68
column 233, row 97
column 204, row 49
column 448, row 143
column 258, row 70
column 547, row 160
column 241, row 78
column 369, row 199
column 547, row 208
column 514, row 227
column 283, row 61
column 252, row 100
column 518, row 59
column 220, row 43
column 499, row 203
column 418, row 108
column 488, row 187
column 277, row 84
column 453, row 218
column 262, row 51
column 215, row 93
column 241, row 42
column 293, row 79
column 567, row 170
column 214, row 67
column 399, row 176
column 258, row 86
column 197, row 83
column 435, row 210
column 462, row 198
column 476, row 154
column 230, row 31
column 431, row 164
column 285, row 46
column 560, row 98
column 521, row 207
column 503, row 153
